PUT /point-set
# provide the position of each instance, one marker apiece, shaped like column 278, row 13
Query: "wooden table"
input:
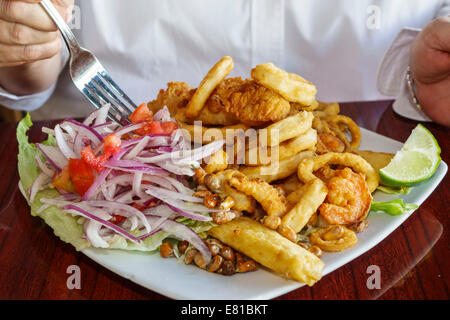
column 412, row 260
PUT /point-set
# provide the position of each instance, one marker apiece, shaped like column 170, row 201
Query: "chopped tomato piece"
column 62, row 180
column 169, row 127
column 149, row 127
column 112, row 144
column 89, row 157
column 81, row 175
column 116, row 219
column 141, row 114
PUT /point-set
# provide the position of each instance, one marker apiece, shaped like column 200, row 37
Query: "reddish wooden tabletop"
column 412, row 260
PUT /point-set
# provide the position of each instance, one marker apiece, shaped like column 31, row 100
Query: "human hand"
column 430, row 69
column 27, row 34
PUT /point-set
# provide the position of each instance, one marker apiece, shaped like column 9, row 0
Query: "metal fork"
column 89, row 76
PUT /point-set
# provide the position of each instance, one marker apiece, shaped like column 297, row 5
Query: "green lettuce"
column 394, row 207
column 67, row 227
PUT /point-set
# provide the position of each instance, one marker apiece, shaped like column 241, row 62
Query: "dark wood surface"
column 413, row 260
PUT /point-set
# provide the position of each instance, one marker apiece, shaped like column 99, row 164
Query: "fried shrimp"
column 348, row 200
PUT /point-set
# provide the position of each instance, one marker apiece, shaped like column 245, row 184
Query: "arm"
column 430, row 69
column 30, row 49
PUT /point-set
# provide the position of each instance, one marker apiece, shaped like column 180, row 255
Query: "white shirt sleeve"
column 33, row 101
column 391, row 78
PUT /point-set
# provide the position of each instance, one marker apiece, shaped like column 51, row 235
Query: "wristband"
column 412, row 89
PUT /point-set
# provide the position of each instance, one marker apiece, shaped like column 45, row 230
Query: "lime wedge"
column 417, row 160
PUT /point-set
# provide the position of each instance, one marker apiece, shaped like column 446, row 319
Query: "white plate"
column 174, row 279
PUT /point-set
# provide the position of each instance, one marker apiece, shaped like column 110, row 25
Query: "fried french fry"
column 287, row 149
column 312, row 196
column 278, row 170
column 290, row 86
column 286, row 129
column 216, row 75
column 270, row 249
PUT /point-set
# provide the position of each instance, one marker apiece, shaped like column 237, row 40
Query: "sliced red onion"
column 160, row 211
column 175, row 195
column 84, row 131
column 160, row 180
column 91, row 192
column 38, row 185
column 91, row 229
column 179, row 186
column 202, row 152
column 183, row 232
column 100, row 114
column 137, row 149
column 137, row 181
column 62, row 144
column 137, row 168
column 53, row 156
column 43, row 167
column 114, row 206
column 177, row 169
column 162, row 115
column 128, row 128
column 79, row 211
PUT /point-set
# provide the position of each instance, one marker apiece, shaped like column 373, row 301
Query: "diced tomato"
column 112, row 144
column 169, row 127
column 141, row 114
column 111, row 147
column 62, row 180
column 89, row 157
column 149, row 127
column 81, row 175
column 116, row 219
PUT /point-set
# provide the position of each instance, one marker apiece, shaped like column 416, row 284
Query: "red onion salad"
column 151, row 169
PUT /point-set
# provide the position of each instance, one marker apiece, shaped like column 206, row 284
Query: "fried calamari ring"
column 290, row 86
column 212, row 79
column 339, row 123
column 333, row 238
column 326, row 109
column 308, row 166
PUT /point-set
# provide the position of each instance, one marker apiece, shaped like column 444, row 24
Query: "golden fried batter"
column 233, row 101
column 250, row 102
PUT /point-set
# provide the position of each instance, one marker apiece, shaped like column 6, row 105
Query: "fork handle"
column 69, row 37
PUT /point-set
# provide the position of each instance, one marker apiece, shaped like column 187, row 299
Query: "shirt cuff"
column 391, row 75
column 25, row 103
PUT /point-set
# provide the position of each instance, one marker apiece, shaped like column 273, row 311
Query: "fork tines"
column 102, row 90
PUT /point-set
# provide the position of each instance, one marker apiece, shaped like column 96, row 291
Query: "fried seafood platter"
column 289, row 171
column 231, row 176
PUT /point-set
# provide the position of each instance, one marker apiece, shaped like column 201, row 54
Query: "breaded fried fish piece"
column 177, row 96
column 250, row 102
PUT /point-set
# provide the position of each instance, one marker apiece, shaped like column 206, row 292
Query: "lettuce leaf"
column 64, row 225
